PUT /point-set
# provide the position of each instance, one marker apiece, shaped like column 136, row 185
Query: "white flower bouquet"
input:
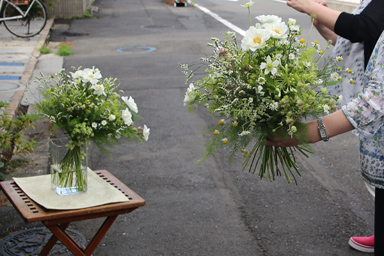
column 266, row 86
column 87, row 108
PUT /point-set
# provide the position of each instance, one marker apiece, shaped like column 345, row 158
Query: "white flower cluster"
column 271, row 26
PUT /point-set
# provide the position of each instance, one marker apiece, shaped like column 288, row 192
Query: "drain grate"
column 136, row 49
column 31, row 241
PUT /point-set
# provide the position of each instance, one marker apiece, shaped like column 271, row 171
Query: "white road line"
column 218, row 18
column 225, row 22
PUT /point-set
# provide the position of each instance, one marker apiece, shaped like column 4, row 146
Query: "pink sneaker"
column 363, row 243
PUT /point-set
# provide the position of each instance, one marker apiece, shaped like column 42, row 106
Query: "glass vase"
column 68, row 167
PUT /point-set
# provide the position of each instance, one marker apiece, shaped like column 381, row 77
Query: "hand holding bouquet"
column 266, row 86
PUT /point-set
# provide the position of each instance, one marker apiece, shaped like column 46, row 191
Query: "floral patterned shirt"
column 366, row 114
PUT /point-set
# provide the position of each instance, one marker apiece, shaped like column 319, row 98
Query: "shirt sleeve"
column 365, row 111
column 366, row 26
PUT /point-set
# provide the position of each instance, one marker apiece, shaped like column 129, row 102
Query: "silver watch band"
column 322, row 131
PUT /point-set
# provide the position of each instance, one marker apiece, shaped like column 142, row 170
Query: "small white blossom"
column 111, row 117
column 127, row 116
column 243, row 133
column 269, row 66
column 326, row 108
column 104, row 122
column 99, row 89
column 190, row 95
column 146, row 132
column 268, row 19
column 94, row 125
column 248, row 5
column 131, row 103
column 291, row 56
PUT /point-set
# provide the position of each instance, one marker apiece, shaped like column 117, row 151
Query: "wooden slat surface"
column 31, row 211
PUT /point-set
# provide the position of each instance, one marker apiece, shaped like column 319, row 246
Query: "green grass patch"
column 64, row 50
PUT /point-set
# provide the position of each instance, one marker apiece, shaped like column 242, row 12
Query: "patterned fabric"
column 353, row 58
column 366, row 114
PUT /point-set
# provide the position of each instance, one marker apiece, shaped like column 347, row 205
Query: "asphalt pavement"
column 206, row 209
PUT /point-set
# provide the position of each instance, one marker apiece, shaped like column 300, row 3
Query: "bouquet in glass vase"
column 266, row 86
column 85, row 107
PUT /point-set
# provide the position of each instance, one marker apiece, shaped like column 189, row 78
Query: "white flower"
column 111, row 117
column 243, row 133
column 131, row 103
column 339, row 58
column 190, row 95
column 274, row 106
column 255, row 38
column 285, row 42
column 261, row 80
column 99, row 89
column 270, row 66
column 278, row 56
column 103, row 122
column 334, row 76
column 340, row 98
column 268, row 18
column 291, row 56
column 326, row 108
column 127, row 116
column 277, row 30
column 146, row 132
column 248, row 5
column 291, row 22
column 294, row 29
column 94, row 125
column 307, row 64
column 78, row 74
column 91, row 75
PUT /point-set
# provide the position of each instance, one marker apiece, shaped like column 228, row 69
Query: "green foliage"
column 64, row 50
column 44, row 50
column 11, row 136
column 266, row 86
column 88, row 108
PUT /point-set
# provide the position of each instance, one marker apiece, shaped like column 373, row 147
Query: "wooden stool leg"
column 52, row 241
column 66, row 239
column 100, row 234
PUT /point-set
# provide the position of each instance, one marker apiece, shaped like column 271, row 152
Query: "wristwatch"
column 322, row 131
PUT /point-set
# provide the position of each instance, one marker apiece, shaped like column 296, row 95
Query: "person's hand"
column 300, row 5
column 322, row 3
column 281, row 142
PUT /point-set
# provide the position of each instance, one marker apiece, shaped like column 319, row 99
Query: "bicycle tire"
column 30, row 25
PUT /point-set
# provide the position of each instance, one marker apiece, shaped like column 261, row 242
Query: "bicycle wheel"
column 28, row 26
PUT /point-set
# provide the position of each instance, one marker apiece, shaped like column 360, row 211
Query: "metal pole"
column 379, row 222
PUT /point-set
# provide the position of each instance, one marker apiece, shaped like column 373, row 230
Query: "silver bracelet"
column 322, row 131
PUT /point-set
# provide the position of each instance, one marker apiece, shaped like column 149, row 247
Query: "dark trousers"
column 379, row 222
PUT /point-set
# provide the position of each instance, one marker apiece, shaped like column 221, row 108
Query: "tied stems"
column 273, row 161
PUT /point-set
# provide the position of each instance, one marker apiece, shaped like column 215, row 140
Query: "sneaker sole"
column 360, row 247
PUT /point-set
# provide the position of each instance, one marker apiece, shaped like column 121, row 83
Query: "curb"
column 17, row 97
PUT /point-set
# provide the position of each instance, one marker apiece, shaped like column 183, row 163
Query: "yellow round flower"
column 351, row 81
column 234, row 124
column 302, row 40
column 221, row 122
column 235, row 118
column 216, row 132
column 225, row 140
column 321, row 52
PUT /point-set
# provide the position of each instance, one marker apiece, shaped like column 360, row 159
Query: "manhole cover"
column 31, row 241
column 157, row 26
column 136, row 49
column 8, row 86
